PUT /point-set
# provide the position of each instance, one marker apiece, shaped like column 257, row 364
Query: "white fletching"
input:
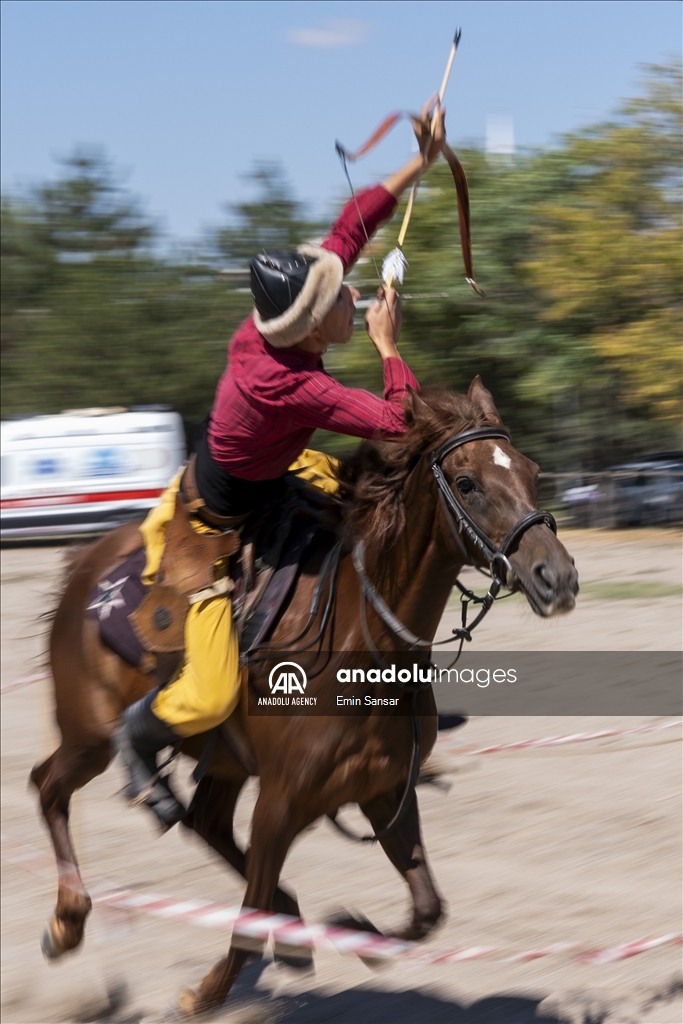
column 394, row 267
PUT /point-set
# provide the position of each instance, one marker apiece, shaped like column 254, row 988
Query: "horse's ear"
column 414, row 407
column 482, row 397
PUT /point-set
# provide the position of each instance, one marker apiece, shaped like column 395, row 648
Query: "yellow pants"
column 207, row 689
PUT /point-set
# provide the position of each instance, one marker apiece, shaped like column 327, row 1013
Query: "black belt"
column 197, row 505
column 220, row 499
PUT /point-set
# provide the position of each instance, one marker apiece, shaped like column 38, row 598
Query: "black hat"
column 293, row 292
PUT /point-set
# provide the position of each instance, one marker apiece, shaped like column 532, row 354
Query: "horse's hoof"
column 187, row 1004
column 450, row 721
column 295, row 957
column 374, row 963
column 50, row 942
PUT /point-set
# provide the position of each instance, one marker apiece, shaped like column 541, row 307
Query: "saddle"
column 274, row 545
column 194, row 566
column 258, row 566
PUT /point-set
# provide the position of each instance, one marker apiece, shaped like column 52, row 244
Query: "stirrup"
column 161, row 800
column 146, row 783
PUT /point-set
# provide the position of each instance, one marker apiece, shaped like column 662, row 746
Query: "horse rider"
column 272, row 397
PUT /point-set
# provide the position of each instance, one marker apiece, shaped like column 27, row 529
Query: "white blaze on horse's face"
column 500, row 458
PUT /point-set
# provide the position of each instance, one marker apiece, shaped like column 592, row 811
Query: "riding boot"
column 139, row 738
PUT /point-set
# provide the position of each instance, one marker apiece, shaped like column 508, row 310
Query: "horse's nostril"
column 543, row 579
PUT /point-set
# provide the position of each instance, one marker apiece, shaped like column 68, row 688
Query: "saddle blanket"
column 113, row 600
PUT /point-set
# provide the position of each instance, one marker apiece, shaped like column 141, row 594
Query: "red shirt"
column 270, row 401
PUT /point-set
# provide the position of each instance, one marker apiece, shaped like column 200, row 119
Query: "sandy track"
column 564, row 844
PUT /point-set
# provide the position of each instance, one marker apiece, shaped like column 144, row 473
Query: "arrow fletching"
column 394, row 267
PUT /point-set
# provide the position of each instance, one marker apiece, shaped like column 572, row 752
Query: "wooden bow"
column 396, row 261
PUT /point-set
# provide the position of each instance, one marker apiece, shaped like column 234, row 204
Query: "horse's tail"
column 53, row 597
column 70, row 559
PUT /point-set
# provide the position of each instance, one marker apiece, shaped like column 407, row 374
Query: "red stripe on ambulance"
column 99, row 497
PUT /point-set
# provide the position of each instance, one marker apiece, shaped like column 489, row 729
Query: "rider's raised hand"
column 430, row 133
column 383, row 322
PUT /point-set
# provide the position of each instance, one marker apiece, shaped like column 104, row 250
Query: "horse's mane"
column 373, row 478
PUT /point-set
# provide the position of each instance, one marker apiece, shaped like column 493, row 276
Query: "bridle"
column 461, row 522
column 461, row 525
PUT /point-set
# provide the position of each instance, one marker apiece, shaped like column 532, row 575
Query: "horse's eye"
column 465, row 485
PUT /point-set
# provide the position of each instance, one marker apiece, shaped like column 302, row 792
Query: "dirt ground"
column 579, row 843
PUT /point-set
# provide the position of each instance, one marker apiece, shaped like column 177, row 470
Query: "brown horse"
column 311, row 766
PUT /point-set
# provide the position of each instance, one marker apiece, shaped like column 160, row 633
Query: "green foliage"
column 578, row 249
column 609, row 260
column 91, row 316
column 579, row 252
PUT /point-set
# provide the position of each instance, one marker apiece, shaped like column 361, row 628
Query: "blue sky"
column 185, row 96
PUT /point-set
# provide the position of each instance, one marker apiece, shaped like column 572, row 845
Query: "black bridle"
column 461, row 522
column 461, row 525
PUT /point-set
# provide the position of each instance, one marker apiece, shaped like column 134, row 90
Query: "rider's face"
column 337, row 327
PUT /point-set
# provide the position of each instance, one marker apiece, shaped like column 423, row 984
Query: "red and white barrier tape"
column 256, row 926
column 555, row 741
column 15, row 684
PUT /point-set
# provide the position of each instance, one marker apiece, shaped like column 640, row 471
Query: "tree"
column 609, row 255
column 85, row 213
column 579, row 251
column 91, row 315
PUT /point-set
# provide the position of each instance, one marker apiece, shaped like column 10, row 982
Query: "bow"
column 395, row 263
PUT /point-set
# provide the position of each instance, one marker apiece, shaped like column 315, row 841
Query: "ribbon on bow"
column 395, row 263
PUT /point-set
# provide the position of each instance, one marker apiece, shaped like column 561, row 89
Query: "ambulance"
column 86, row 471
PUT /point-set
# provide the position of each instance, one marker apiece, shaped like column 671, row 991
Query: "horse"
column 453, row 491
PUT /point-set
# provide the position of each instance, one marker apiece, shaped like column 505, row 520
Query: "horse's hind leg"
column 56, row 779
column 211, row 815
column 403, row 847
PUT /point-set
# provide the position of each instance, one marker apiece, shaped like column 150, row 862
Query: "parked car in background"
column 650, row 492
column 86, row 471
column 580, row 504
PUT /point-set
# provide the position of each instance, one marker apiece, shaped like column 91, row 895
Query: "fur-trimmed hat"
column 293, row 292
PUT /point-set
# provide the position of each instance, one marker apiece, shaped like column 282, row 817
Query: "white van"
column 86, row 470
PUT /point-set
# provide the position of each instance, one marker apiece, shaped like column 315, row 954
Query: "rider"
column 272, row 397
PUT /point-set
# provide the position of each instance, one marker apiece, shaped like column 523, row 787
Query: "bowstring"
column 342, row 156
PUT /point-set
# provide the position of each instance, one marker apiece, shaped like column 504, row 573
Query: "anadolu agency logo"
column 287, row 683
column 287, row 677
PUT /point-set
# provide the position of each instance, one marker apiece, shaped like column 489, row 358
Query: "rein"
column 502, row 575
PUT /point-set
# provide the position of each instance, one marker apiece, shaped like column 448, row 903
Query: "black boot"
column 139, row 738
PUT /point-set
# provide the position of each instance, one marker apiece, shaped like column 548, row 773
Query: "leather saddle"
column 257, row 565
column 274, row 545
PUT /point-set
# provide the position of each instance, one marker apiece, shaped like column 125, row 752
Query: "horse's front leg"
column 403, row 847
column 272, row 833
column 211, row 816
